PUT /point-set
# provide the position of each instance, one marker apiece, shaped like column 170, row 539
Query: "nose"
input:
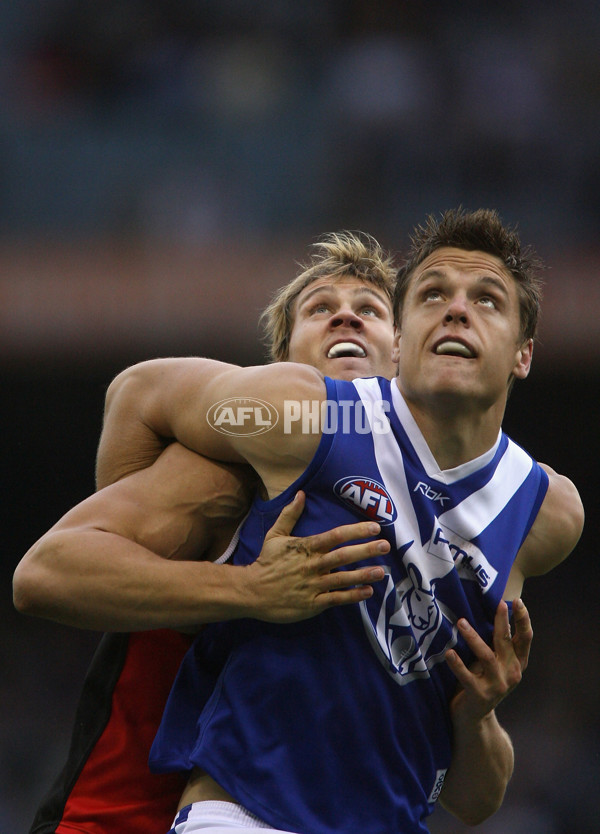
column 457, row 311
column 346, row 317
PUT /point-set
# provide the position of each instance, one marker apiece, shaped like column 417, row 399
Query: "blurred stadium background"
column 165, row 165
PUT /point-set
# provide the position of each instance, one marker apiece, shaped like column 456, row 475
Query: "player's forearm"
column 482, row 765
column 102, row 581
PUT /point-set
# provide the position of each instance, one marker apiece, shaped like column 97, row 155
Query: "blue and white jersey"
column 340, row 724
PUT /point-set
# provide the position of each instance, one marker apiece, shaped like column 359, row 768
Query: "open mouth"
column 346, row 349
column 450, row 347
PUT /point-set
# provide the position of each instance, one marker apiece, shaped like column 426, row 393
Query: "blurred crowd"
column 256, row 117
column 257, row 120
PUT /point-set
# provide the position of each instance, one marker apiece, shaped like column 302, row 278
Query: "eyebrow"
column 492, row 280
column 356, row 291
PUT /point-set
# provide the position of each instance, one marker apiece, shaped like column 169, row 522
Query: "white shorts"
column 219, row 818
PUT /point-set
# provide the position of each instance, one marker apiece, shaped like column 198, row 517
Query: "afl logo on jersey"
column 371, row 497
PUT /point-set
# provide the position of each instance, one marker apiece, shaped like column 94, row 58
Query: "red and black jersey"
column 105, row 786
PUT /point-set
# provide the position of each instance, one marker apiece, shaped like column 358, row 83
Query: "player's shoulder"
column 557, row 528
column 564, row 502
column 287, row 379
column 295, row 370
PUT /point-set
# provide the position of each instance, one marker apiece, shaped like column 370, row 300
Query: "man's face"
column 344, row 328
column 460, row 330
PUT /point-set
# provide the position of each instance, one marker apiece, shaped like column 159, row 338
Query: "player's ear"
column 523, row 359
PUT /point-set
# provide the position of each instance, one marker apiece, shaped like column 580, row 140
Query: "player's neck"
column 456, row 432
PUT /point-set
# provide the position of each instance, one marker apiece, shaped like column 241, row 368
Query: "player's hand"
column 296, row 578
column 497, row 670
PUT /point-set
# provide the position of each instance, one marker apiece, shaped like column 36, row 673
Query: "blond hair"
column 335, row 255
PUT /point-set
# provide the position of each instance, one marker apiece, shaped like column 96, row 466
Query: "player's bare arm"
column 554, row 533
column 125, row 559
column 498, row 669
column 170, row 398
column 482, row 750
column 127, row 443
column 106, row 563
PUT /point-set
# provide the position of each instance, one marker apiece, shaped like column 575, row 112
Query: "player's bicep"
column 556, row 530
column 131, row 510
column 176, row 398
column 183, row 505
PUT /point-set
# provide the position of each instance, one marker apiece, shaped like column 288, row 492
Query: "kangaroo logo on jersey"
column 371, row 497
column 408, row 625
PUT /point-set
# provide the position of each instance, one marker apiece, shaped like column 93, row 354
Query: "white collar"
column 446, row 476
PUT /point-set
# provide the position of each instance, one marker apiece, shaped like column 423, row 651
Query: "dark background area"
column 164, row 166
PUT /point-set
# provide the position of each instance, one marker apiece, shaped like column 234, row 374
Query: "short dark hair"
column 480, row 230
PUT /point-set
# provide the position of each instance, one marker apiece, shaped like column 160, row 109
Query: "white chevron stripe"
column 391, row 465
column 477, row 511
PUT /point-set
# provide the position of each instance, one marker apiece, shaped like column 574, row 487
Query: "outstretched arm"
column 482, row 752
column 122, row 559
